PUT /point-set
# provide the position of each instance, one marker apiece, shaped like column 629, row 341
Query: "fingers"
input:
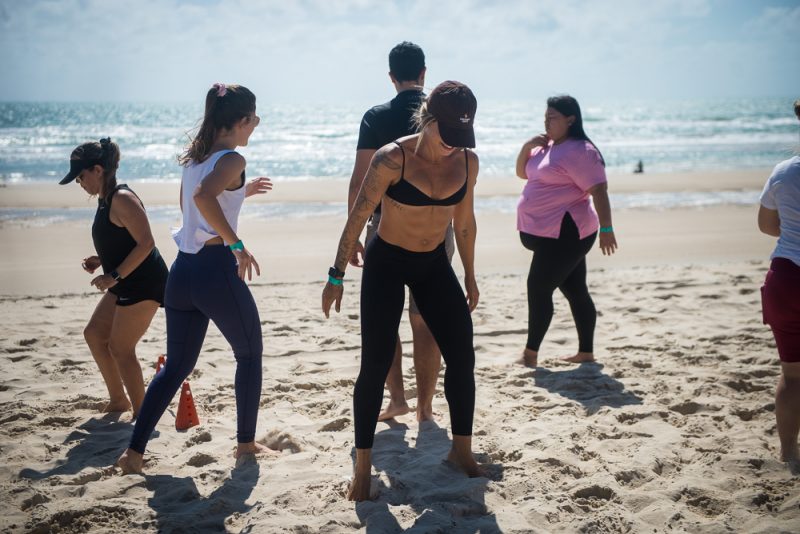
column 258, row 269
column 339, row 303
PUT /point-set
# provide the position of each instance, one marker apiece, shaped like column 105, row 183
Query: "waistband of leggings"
column 784, row 265
column 207, row 251
column 440, row 249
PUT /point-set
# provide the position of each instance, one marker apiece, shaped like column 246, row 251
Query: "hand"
column 331, row 294
column 258, row 186
column 357, row 259
column 473, row 295
column 90, row 264
column 608, row 243
column 539, row 140
column 246, row 262
column 103, row 282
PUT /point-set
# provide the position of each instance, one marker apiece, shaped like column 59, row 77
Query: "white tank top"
column 195, row 230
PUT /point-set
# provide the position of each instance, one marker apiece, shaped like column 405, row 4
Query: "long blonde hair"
column 422, row 119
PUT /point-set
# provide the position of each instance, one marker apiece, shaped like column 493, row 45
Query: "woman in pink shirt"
column 556, row 220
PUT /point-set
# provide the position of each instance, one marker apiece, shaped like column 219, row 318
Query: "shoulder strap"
column 403, row 168
column 125, row 187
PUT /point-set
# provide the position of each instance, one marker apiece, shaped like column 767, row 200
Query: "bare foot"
column 530, row 358
column 254, row 448
column 580, row 357
column 466, row 462
column 117, row 406
column 130, row 462
column 792, row 455
column 393, row 410
column 360, row 486
column 424, row 413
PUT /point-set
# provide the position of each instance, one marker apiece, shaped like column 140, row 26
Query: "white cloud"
column 332, row 50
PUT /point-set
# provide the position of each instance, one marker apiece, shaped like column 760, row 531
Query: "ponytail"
column 225, row 106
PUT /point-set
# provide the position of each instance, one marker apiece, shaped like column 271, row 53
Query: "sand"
column 671, row 430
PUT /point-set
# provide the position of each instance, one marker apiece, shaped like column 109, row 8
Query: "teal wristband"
column 237, row 246
column 334, row 281
column 606, row 229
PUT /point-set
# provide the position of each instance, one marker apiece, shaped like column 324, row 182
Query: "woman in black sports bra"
column 423, row 182
column 134, row 276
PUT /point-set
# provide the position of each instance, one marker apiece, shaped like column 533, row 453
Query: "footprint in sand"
column 336, row 425
column 201, row 460
column 201, row 437
column 278, row 440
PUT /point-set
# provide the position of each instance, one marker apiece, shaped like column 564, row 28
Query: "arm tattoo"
column 372, row 190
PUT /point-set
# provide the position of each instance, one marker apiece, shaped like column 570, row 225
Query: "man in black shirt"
column 381, row 125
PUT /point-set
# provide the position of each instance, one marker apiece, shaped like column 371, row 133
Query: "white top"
column 782, row 193
column 195, row 230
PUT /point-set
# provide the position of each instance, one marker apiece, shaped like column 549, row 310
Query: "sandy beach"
column 671, row 430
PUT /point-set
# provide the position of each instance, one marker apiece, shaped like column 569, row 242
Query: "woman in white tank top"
column 207, row 280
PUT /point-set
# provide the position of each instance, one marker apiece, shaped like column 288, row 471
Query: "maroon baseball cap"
column 454, row 106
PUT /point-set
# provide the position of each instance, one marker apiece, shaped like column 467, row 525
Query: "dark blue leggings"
column 200, row 287
column 441, row 302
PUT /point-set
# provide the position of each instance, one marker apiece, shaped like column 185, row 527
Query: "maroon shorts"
column 780, row 300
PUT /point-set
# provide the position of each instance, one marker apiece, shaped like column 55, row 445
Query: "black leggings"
column 559, row 263
column 441, row 302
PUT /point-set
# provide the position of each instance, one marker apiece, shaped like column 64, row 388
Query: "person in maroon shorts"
column 779, row 216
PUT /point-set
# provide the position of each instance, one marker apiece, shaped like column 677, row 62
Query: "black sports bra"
column 406, row 193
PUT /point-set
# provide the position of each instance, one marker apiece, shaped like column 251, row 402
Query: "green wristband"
column 334, row 281
column 237, row 246
column 606, row 229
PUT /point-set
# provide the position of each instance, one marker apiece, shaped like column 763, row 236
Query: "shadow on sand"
column 442, row 498
column 179, row 507
column 97, row 443
column 588, row 385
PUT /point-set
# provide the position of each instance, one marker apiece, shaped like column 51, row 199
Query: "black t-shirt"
column 384, row 123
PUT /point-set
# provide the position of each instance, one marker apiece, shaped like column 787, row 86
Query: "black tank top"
column 406, row 193
column 113, row 244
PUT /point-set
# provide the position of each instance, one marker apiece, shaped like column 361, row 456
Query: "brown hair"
column 107, row 154
column 225, row 106
column 797, row 108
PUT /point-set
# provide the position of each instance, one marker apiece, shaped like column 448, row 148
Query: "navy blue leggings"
column 441, row 302
column 200, row 287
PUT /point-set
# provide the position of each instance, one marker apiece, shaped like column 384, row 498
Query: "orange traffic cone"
column 162, row 361
column 187, row 413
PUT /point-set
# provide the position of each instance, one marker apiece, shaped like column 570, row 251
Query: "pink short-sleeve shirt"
column 559, row 178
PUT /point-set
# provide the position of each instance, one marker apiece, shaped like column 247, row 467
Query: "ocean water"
column 314, row 142
column 307, row 143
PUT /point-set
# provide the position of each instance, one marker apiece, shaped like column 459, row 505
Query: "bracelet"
column 335, row 281
column 115, row 275
column 606, row 229
column 237, row 246
column 335, row 273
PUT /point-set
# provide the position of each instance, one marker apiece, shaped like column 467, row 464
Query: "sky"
column 335, row 51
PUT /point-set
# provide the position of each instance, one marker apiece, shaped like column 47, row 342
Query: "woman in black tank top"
column 134, row 274
column 424, row 182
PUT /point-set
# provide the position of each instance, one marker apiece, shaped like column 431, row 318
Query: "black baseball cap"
column 85, row 157
column 454, row 106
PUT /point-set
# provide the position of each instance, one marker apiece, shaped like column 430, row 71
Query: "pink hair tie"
column 221, row 89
